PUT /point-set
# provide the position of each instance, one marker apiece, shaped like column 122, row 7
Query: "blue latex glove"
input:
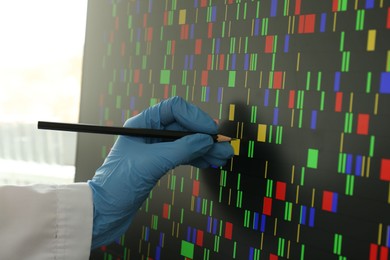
column 134, row 164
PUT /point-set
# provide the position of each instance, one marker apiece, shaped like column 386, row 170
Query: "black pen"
column 140, row 132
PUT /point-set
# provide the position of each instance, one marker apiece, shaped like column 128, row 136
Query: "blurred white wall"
column 41, row 51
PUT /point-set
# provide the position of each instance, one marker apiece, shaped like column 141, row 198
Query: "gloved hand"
column 134, row 164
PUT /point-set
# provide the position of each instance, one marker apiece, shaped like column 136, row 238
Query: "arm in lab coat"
column 46, row 222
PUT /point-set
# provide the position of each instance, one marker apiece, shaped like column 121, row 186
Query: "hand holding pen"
column 135, row 164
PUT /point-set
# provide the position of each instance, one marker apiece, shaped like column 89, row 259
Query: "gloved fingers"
column 187, row 115
column 175, row 127
column 222, row 151
column 176, row 114
column 149, row 118
column 218, row 155
column 168, row 155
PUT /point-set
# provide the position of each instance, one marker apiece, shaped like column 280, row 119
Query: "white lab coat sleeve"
column 46, row 222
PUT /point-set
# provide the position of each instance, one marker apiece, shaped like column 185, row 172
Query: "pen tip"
column 222, row 138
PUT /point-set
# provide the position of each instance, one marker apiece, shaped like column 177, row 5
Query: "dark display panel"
column 305, row 87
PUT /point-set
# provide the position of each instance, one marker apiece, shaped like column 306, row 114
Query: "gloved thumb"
column 183, row 150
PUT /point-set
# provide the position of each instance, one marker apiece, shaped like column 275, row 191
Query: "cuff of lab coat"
column 74, row 220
